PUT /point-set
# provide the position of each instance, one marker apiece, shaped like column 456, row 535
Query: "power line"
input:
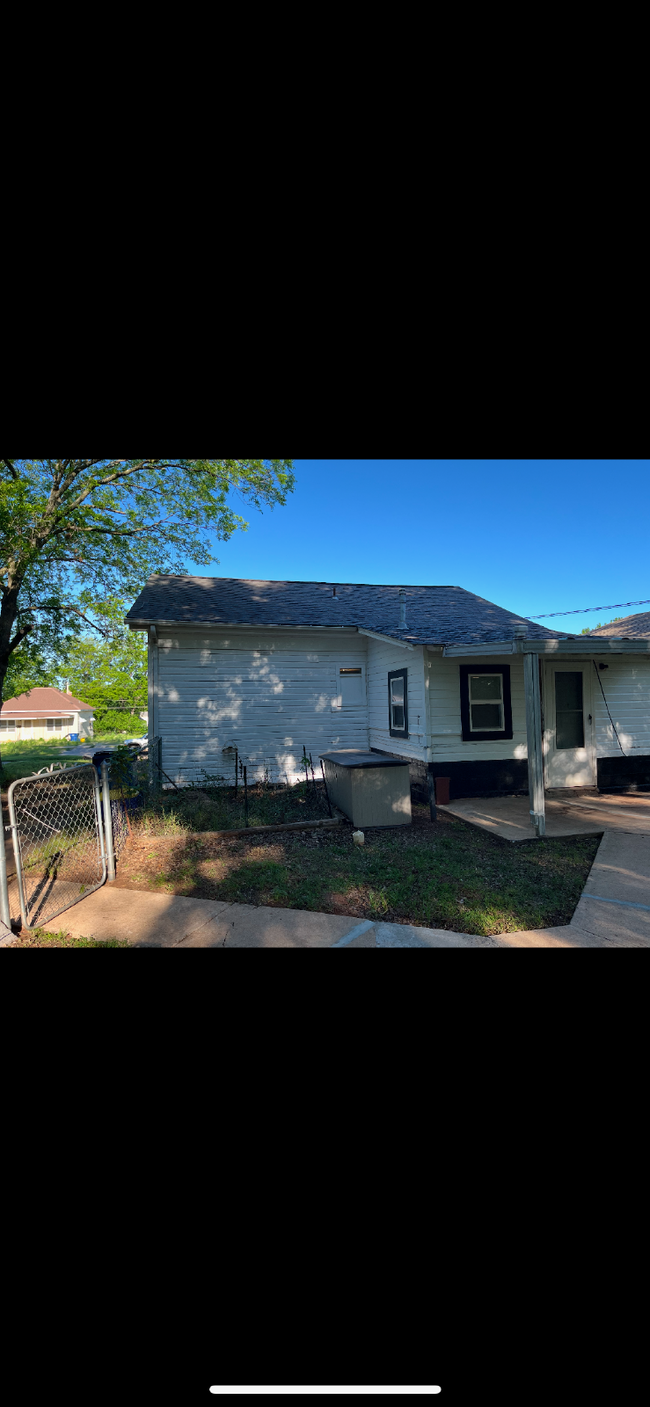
column 583, row 610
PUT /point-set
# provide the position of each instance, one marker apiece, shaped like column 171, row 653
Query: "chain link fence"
column 58, row 840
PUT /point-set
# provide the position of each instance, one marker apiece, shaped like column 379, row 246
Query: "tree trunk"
column 8, row 614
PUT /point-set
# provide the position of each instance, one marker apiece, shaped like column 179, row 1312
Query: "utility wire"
column 583, row 610
column 606, row 703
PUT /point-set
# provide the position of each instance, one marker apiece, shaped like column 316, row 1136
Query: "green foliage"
column 30, row 667
column 122, row 771
column 77, row 533
column 109, row 671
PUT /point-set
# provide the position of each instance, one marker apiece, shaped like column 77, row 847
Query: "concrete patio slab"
column 591, row 814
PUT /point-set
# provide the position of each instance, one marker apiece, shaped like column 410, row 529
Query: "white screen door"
column 568, row 726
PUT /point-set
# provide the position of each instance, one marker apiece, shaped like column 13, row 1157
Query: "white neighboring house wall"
column 28, row 729
column 267, row 693
column 383, row 658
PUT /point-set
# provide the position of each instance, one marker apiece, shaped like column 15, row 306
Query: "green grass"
column 448, row 875
column 215, row 808
column 21, row 759
column 43, row 938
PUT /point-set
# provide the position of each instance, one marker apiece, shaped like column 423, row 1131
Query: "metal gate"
column 58, row 840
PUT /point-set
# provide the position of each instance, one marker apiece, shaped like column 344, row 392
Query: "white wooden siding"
column 627, row 689
column 444, row 712
column 269, row 697
column 382, row 659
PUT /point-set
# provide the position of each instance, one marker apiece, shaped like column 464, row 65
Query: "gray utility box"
column 372, row 790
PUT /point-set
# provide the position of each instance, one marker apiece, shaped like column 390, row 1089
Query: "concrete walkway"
column 566, row 814
column 170, row 921
column 613, row 912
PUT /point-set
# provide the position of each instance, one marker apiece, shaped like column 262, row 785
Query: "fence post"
column 108, row 823
column 4, row 891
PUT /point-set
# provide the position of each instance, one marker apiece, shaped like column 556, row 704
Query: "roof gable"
column 43, row 701
column 434, row 614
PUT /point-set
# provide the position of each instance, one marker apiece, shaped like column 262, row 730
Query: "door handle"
column 590, row 718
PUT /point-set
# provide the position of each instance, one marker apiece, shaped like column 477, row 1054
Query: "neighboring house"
column 631, row 627
column 461, row 687
column 44, row 713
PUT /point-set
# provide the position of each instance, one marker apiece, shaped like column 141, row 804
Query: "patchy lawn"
column 22, row 759
column 42, row 938
column 217, row 808
column 442, row 875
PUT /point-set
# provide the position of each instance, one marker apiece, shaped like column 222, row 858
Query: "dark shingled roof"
column 435, row 614
column 629, row 628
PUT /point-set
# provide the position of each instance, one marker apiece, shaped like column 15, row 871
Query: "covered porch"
column 561, row 746
column 587, row 813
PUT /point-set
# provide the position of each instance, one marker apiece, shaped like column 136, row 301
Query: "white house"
column 44, row 713
column 463, row 688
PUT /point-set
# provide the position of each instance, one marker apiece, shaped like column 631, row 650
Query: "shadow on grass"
column 441, row 875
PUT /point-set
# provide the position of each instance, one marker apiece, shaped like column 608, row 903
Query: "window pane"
column 397, row 691
column 486, row 716
column 485, row 686
column 398, row 716
column 568, row 691
column 569, row 729
column 350, row 671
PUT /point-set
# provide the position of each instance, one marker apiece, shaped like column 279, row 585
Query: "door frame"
column 551, row 666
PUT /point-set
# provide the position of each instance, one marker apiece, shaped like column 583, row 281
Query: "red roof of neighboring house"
column 42, row 703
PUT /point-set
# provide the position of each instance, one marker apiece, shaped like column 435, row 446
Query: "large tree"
column 110, row 671
column 78, row 531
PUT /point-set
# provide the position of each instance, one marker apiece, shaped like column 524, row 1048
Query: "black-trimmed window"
column 485, row 706
column 398, row 713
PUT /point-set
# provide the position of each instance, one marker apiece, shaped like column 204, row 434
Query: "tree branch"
column 14, row 472
column 111, row 532
column 20, row 636
column 123, row 474
column 62, row 611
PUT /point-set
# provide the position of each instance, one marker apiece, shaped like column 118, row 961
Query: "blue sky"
column 530, row 534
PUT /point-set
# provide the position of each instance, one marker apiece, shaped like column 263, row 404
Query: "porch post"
column 534, row 738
